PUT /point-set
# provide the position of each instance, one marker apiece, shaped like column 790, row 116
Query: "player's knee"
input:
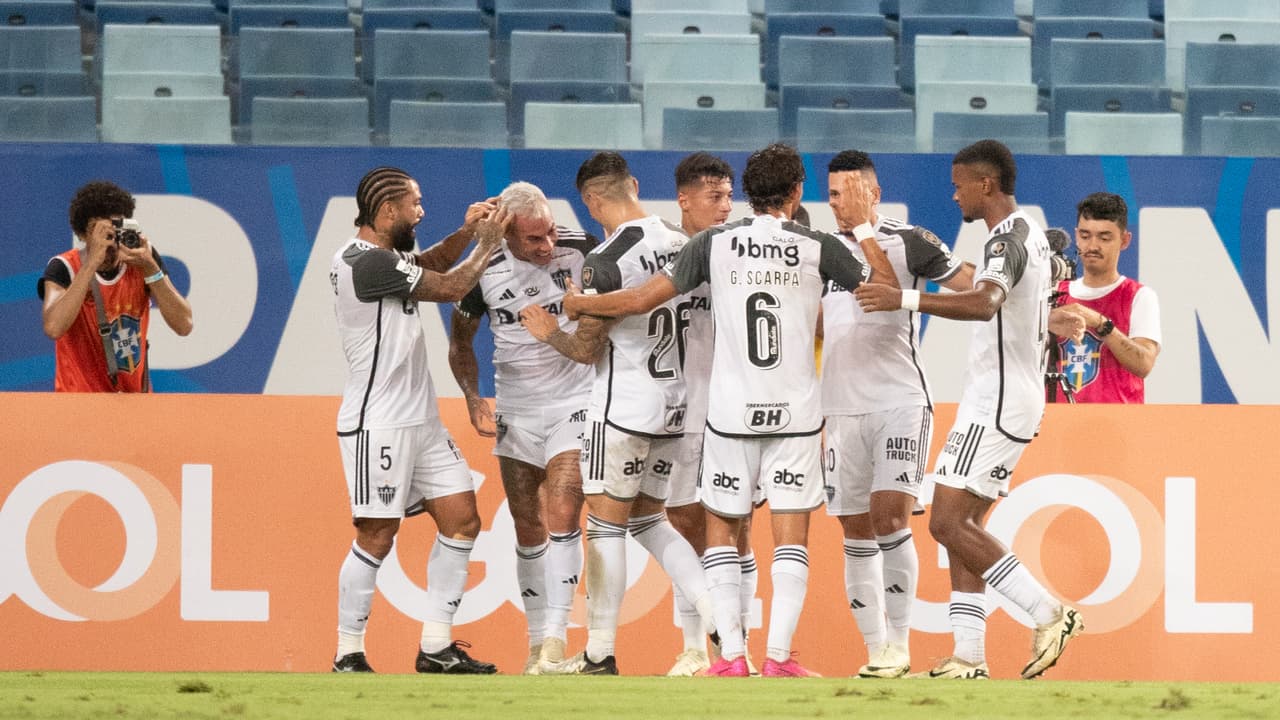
column 888, row 523
column 943, row 528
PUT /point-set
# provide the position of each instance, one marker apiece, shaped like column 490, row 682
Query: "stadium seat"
column 368, row 5
column 1198, row 9
column 41, row 83
column 973, row 59
column 1104, row 98
column 161, row 84
column 501, row 6
column 977, row 97
column 689, row 22
column 716, row 130
column 565, row 67
column 439, row 124
column 660, row 95
column 161, row 49
column 667, row 57
column 376, row 20
column 252, row 87
column 1228, row 63
column 286, row 16
column 1047, row 30
column 425, row 89
column 1179, row 32
column 566, row 92
column 1021, row 133
column 1239, row 101
column 972, row 8
column 1106, row 62
column 310, row 121
column 47, row 49
column 912, row 27
column 135, row 12
column 48, row 119
column 813, row 24
column 1123, row 133
column 15, row 13
column 1240, row 136
column 617, row 126
column 558, row 21
column 793, row 98
column 730, row 6
column 1091, row 9
column 888, row 131
column 459, row 54
column 834, row 72
column 326, row 52
column 853, row 7
column 173, row 120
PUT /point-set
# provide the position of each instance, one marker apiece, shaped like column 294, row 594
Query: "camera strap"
column 104, row 331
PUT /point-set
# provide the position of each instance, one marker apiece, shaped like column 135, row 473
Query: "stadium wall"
column 248, row 233
column 205, row 532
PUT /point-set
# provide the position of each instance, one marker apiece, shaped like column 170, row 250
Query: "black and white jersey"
column 698, row 332
column 528, row 373
column 871, row 361
column 388, row 377
column 1005, row 383
column 766, row 277
column 639, row 383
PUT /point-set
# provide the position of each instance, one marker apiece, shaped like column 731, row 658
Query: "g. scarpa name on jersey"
column 769, row 278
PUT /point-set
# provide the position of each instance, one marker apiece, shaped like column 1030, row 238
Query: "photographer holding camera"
column 97, row 299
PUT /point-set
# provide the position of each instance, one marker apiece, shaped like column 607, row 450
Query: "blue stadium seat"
column 561, row 21
column 671, row 57
column 972, row 8
column 976, row 97
column 50, row 48
column 48, row 119
column 1123, row 133
column 425, row 89
column 368, row 5
column 1049, row 29
column 689, row 22
column 439, row 124
column 565, row 67
column 297, row 51
column 252, row 87
column 793, row 98
column 813, row 24
column 714, row 130
column 616, row 126
column 378, row 22
column 1021, row 132
column 16, row 13
column 1207, row 9
column 1106, row 62
column 1178, row 33
column 831, row 61
column 310, row 121
column 912, row 27
column 134, row 12
column 732, row 6
column 430, row 53
column 162, row 84
column 1092, row 9
column 171, row 120
column 174, row 56
column 501, row 6
column 1239, row 101
column 1104, row 98
column 852, row 7
column 823, row 130
column 1240, row 136
column 286, row 16
column 43, row 83
column 662, row 94
column 1228, row 63
column 560, row 91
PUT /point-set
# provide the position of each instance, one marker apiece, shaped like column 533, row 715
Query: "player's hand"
column 490, row 231
column 1068, row 321
column 481, row 413
column 479, row 211
column 572, row 298
column 878, row 297
column 540, row 323
column 863, row 198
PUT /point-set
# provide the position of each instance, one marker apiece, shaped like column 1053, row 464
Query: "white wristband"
column 911, row 300
column 864, row 231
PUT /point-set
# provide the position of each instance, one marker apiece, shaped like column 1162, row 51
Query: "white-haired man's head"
column 532, row 234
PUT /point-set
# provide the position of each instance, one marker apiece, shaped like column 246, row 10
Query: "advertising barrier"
column 205, row 532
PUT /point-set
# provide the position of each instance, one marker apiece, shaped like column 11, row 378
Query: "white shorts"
column 786, row 471
column 683, row 488
column 623, row 466
column 977, row 458
column 886, row 450
column 390, row 471
column 536, row 436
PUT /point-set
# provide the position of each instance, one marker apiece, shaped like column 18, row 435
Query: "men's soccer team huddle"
column 666, row 378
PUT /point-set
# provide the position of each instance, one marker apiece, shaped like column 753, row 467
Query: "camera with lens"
column 128, row 232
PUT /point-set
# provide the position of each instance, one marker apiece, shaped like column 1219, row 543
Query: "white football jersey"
column 697, row 328
column 871, row 361
column 527, row 373
column 388, row 378
column 1004, row 386
column 639, row 383
column 766, row 277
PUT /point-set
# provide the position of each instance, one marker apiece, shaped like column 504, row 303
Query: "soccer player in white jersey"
column 764, row 417
column 541, row 408
column 398, row 458
column 879, row 416
column 637, row 408
column 999, row 413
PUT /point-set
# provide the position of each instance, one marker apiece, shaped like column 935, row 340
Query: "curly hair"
column 98, row 199
column 995, row 159
column 771, row 176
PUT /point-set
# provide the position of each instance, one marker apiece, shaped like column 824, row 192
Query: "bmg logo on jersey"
column 767, row 418
column 786, row 479
column 789, row 254
column 656, row 261
column 725, row 481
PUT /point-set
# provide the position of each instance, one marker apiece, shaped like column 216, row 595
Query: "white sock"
column 606, row 584
column 356, row 582
column 750, row 582
column 446, row 581
column 864, row 586
column 531, row 575
column 690, row 621
column 676, row 556
column 564, row 566
column 968, row 613
column 724, row 579
column 790, row 574
column 901, row 575
column 1012, row 579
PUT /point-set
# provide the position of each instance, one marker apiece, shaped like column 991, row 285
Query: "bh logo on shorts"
column 1079, row 360
column 767, row 418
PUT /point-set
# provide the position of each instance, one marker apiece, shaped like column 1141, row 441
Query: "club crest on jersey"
column 386, row 493
column 789, row 254
column 767, row 418
column 929, row 237
column 1079, row 360
column 587, row 275
column 559, row 277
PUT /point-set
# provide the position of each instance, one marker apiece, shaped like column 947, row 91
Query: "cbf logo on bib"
column 767, row 418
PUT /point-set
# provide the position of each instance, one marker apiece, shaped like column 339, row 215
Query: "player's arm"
column 1006, row 258
column 584, row 345
column 462, row 361
column 619, row 303
column 454, row 284
column 881, row 271
column 441, row 256
column 962, row 280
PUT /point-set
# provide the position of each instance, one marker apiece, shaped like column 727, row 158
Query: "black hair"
column 1105, row 206
column 997, row 159
column 850, row 160
column 699, row 165
column 379, row 185
column 98, row 199
column 607, row 164
column 771, row 176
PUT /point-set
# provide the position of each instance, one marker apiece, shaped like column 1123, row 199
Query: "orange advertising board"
column 205, row 532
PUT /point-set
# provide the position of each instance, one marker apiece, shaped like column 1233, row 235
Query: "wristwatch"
column 1104, row 328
